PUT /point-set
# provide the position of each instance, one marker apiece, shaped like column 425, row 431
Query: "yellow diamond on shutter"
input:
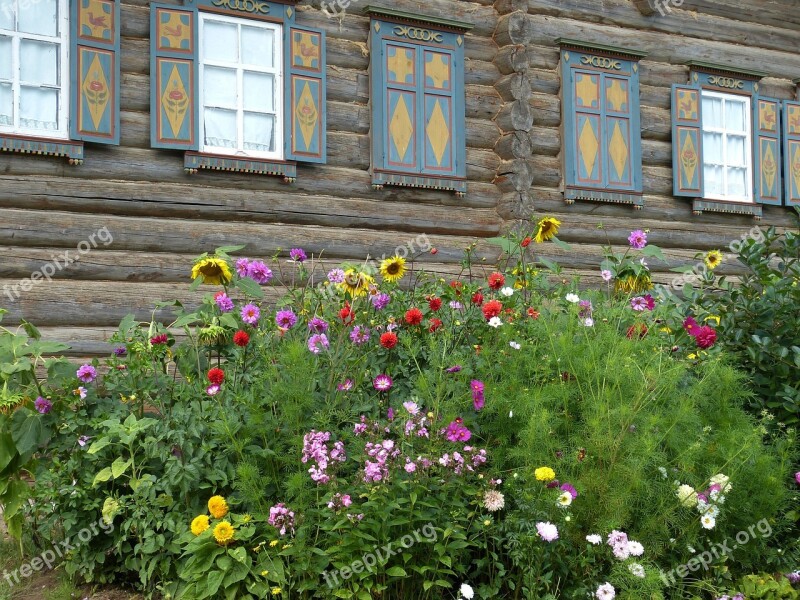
column 618, row 150
column 689, row 159
column 307, row 115
column 796, row 167
column 175, row 102
column 95, row 91
column 769, row 168
column 588, row 146
column 438, row 132
column 400, row 128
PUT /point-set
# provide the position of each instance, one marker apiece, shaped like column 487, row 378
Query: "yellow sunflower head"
column 633, row 284
column 546, row 229
column 215, row 271
column 217, row 507
column 393, row 268
column 223, row 532
column 356, row 283
column 199, row 524
column 713, row 259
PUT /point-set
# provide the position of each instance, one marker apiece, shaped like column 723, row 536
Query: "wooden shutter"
column 173, row 77
column 791, row 151
column 585, row 128
column 304, row 107
column 687, row 141
column 767, row 150
column 621, row 133
column 94, row 71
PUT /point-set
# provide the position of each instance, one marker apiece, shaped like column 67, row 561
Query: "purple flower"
column 81, row 391
column 286, row 319
column 42, row 405
column 477, row 388
column 251, row 314
column 242, row 266
column 318, row 325
column 793, row 577
column 359, row 335
column 637, row 239
column 212, row 390
column 453, row 369
column 585, row 309
column 380, row 301
column 547, row 531
column 121, row 351
column 797, row 477
column 568, row 488
column 336, row 276
column 224, row 303
column 606, row 275
column 259, row 272
column 281, row 518
column 638, row 303
column 456, row 305
column 390, row 414
column 298, row 255
column 83, row 440
column 382, row 383
column 318, row 342
column 413, row 409
column 87, row 373
column 346, row 386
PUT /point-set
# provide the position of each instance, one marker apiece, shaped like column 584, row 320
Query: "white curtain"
column 7, row 15
column 38, row 67
column 39, row 17
column 259, row 132
column 258, row 47
column 6, row 104
column 6, row 97
column 220, row 128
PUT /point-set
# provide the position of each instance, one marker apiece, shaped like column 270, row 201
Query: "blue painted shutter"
column 437, row 129
column 791, row 151
column 401, row 101
column 767, row 150
column 174, row 108
column 305, row 94
column 621, row 135
column 687, row 141
column 586, row 131
column 94, row 71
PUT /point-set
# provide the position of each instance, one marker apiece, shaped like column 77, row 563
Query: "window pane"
column 5, row 57
column 219, row 87
column 220, row 41
column 7, row 16
column 736, row 150
column 259, row 132
column 39, row 17
column 712, row 112
column 220, row 128
column 38, row 62
column 737, row 182
column 734, row 115
column 38, row 108
column 712, row 148
column 258, row 47
column 6, row 104
column 259, row 92
column 713, row 180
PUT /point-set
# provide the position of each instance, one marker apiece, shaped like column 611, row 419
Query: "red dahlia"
column 435, row 304
column 413, row 316
column 346, row 314
column 526, row 242
column 240, row 338
column 216, row 376
column 492, row 309
column 496, row 281
column 706, row 337
column 477, row 299
column 389, row 340
column 161, row 338
column 435, row 325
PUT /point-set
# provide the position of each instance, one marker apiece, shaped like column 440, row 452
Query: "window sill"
column 44, row 146
column 701, row 205
column 194, row 161
column 382, row 178
column 631, row 198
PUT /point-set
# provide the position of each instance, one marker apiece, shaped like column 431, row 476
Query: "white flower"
column 507, row 292
column 493, row 500
column 722, row 481
column 605, row 592
column 594, row 539
column 574, row 298
column 635, row 548
column 690, row 549
column 588, row 322
column 687, row 495
column 511, row 414
column 495, row 322
column 636, row 569
column 564, row 500
column 710, row 509
column 663, row 472
column 708, row 522
column 466, row 591
column 515, row 345
column 643, row 262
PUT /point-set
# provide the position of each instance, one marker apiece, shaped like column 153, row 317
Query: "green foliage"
column 766, row 587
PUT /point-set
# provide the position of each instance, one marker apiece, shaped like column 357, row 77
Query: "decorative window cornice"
column 698, row 66
column 602, row 49
column 388, row 14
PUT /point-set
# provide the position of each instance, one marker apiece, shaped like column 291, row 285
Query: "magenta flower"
column 691, row 326
column 651, row 302
column 213, row 389
column 285, row 319
column 281, row 518
column 87, row 373
column 250, row 314
column 42, row 405
column 382, row 383
column 318, row 342
column 638, row 303
column 359, row 335
column 637, row 239
column 259, row 272
column 346, row 386
column 797, row 477
column 298, row 255
column 242, row 266
column 318, row 325
column 456, row 432
column 478, row 399
column 568, row 488
column 224, row 303
column 547, row 531
column 453, row 369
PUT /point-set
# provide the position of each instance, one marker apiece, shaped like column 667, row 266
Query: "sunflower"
column 633, row 284
column 393, row 268
column 215, row 271
column 356, row 283
column 713, row 259
column 217, row 506
column 546, row 229
column 199, row 524
column 223, row 532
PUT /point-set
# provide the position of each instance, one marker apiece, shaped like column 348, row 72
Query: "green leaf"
column 654, row 251
column 561, row 244
column 127, row 324
column 119, row 466
column 31, row 330
column 40, row 348
column 27, row 430
column 222, row 250
column 185, row 320
column 103, row 475
column 250, row 287
column 396, row 572
column 507, row 245
column 8, row 451
column 98, row 445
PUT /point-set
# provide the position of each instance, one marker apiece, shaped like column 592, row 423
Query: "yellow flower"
column 714, row 318
column 264, row 573
column 246, row 518
column 217, row 507
column 545, row 474
column 692, row 356
column 393, row 268
column 276, row 591
column 273, row 543
column 665, row 330
column 215, row 271
column 633, row 284
column 487, row 522
column 546, row 229
column 199, row 524
column 356, row 283
column 713, row 259
column 223, row 532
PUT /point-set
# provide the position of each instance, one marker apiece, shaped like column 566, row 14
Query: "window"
column 418, row 101
column 34, row 68
column 237, row 86
column 726, row 147
column 241, row 83
column 600, row 115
